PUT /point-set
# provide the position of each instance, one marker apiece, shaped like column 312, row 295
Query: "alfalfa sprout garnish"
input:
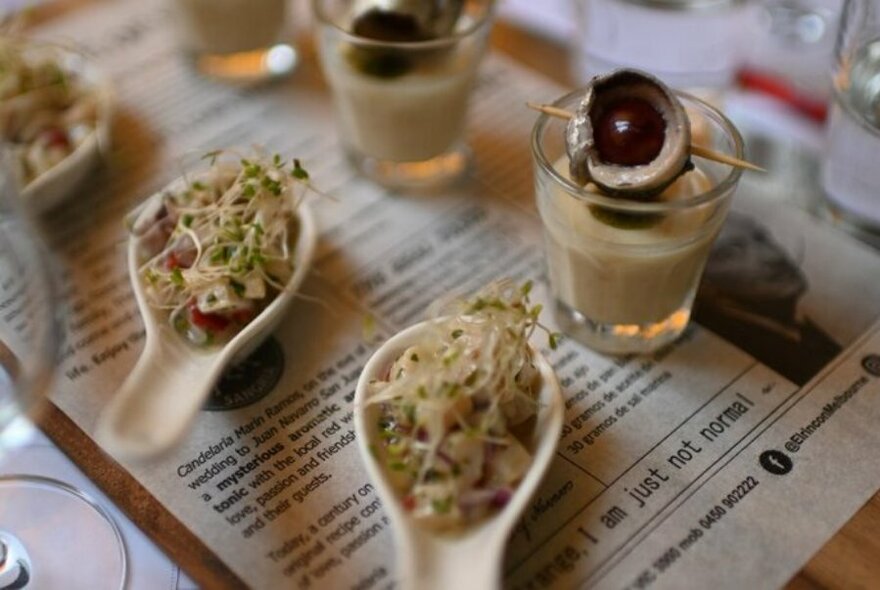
column 452, row 406
column 218, row 246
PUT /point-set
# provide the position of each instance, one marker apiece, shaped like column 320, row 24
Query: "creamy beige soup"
column 631, row 276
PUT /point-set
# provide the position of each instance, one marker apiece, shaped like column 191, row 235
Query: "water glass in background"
column 793, row 42
column 51, row 534
column 695, row 44
column 236, row 40
column 851, row 169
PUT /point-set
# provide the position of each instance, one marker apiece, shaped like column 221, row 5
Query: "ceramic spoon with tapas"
column 458, row 419
column 215, row 261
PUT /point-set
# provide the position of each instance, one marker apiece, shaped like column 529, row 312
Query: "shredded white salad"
column 46, row 112
column 220, row 246
column 453, row 405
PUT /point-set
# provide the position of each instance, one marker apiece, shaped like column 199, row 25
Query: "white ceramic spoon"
column 471, row 559
column 172, row 379
column 63, row 179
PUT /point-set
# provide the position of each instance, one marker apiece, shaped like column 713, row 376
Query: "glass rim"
column 688, row 5
column 718, row 190
column 855, row 116
column 38, row 371
column 451, row 39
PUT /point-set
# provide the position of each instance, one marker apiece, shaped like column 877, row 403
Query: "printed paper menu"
column 722, row 460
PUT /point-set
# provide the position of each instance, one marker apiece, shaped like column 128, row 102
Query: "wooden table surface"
column 851, row 559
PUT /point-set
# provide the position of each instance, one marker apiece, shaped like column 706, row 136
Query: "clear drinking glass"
column 623, row 272
column 686, row 43
column 850, row 171
column 51, row 535
column 236, row 40
column 794, row 42
column 401, row 106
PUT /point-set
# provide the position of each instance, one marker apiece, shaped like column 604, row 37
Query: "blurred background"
column 778, row 67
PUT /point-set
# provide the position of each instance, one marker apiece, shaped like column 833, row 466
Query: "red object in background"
column 770, row 85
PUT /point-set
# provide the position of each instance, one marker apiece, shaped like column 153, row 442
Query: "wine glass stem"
column 15, row 566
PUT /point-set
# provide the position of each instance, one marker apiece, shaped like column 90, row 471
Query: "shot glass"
column 401, row 106
column 623, row 272
column 236, row 40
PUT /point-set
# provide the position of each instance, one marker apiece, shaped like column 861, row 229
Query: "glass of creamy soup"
column 401, row 74
column 624, row 272
column 236, row 40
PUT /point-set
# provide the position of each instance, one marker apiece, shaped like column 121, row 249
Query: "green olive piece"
column 379, row 63
column 391, row 27
column 625, row 219
column 388, row 25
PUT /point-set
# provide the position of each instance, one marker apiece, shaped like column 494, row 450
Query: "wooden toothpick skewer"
column 710, row 154
column 550, row 110
column 697, row 150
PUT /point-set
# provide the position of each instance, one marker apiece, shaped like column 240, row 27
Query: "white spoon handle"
column 433, row 563
column 157, row 401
